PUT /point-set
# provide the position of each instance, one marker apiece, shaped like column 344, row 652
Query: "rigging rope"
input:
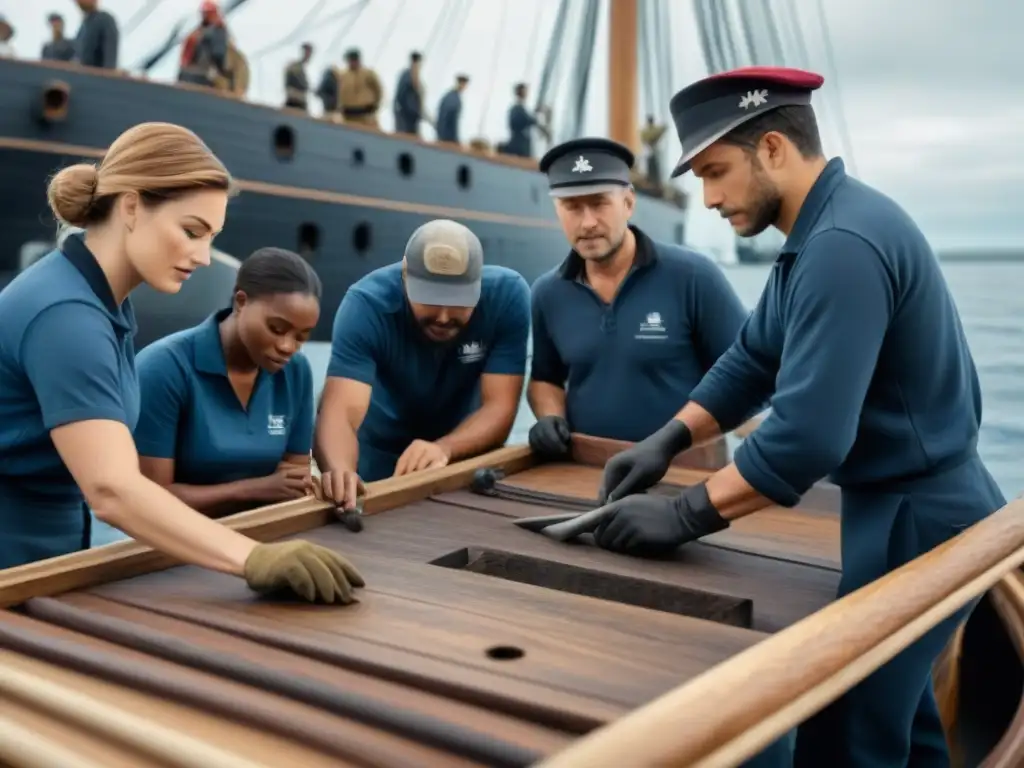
column 586, row 55
column 707, row 52
column 774, row 34
column 646, row 50
column 386, row 37
column 439, row 24
column 454, row 28
column 356, row 11
column 297, row 31
column 494, row 67
column 553, row 54
column 139, row 16
column 844, row 133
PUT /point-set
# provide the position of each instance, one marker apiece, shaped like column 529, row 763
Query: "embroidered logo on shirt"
column 276, row 425
column 472, row 352
column 652, row 327
column 754, row 99
column 582, row 165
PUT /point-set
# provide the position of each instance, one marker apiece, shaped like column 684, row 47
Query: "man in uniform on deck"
column 860, row 341
column 355, row 93
column 625, row 327
column 296, row 81
column 427, row 363
column 98, row 38
column 58, row 48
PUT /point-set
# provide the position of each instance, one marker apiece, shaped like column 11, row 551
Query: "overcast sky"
column 933, row 99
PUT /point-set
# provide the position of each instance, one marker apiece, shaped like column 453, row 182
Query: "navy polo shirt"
column 628, row 367
column 423, row 389
column 66, row 355
column 859, row 338
column 191, row 414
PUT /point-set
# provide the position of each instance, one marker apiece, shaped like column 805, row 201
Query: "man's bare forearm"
column 485, row 429
column 702, row 425
column 546, row 399
column 336, row 447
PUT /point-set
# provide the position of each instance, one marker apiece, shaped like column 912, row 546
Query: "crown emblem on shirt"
column 754, row 98
column 582, row 165
column 472, row 348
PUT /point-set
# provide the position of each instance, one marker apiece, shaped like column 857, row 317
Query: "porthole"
column 464, row 177
column 284, row 142
column 406, row 165
column 358, row 156
column 362, row 236
column 309, row 239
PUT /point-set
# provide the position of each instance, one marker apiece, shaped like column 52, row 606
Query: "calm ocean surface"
column 989, row 298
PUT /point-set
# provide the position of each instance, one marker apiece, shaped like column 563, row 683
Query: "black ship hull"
column 344, row 197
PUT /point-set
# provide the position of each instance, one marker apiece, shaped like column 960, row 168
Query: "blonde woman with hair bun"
column 69, row 393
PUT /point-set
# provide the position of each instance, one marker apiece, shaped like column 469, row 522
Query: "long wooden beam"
column 719, row 719
column 125, row 559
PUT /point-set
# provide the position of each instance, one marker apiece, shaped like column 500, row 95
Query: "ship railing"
column 734, row 710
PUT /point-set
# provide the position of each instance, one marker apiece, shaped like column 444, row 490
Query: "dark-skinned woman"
column 227, row 406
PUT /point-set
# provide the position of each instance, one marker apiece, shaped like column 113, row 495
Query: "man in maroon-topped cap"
column 859, row 345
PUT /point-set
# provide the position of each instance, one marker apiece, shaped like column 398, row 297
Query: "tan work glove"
column 309, row 570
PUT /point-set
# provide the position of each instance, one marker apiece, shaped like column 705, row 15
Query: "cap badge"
column 754, row 99
column 582, row 165
column 444, row 260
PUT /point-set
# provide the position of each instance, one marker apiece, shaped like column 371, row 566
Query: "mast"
column 622, row 73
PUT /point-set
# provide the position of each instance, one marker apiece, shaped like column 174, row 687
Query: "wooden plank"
column 130, row 558
column 214, row 699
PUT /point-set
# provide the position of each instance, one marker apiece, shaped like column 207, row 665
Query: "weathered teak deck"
column 474, row 643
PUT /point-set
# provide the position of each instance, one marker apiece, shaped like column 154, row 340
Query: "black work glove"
column 550, row 437
column 640, row 466
column 656, row 525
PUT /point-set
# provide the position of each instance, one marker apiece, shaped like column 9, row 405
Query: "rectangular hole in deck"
column 630, row 590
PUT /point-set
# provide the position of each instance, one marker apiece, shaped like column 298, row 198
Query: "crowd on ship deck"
column 351, row 94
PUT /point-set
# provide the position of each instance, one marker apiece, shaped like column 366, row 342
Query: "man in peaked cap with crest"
column 428, row 357
column 626, row 326
column 858, row 343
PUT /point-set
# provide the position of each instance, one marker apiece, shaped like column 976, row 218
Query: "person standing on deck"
column 408, row 103
column 449, row 111
column 70, row 393
column 427, row 363
column 520, row 124
column 857, row 336
column 98, row 38
column 204, row 53
column 227, row 406
column 59, row 48
column 296, row 81
column 623, row 319
column 354, row 93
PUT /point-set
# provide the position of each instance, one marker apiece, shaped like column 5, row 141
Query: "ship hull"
column 344, row 197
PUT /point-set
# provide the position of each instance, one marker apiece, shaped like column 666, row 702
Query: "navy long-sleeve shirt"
column 448, row 113
column 859, row 338
column 97, row 41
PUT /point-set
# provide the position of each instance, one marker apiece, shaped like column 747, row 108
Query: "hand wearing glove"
column 656, row 525
column 550, row 437
column 640, row 466
column 309, row 570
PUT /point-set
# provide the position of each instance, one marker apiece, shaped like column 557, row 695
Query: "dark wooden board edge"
column 125, row 559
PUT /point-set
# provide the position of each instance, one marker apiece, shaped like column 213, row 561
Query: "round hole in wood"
column 406, row 165
column 309, row 239
column 464, row 177
column 358, row 156
column 505, row 653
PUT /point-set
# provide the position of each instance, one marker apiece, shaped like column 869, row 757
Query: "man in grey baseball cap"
column 444, row 264
column 428, row 357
